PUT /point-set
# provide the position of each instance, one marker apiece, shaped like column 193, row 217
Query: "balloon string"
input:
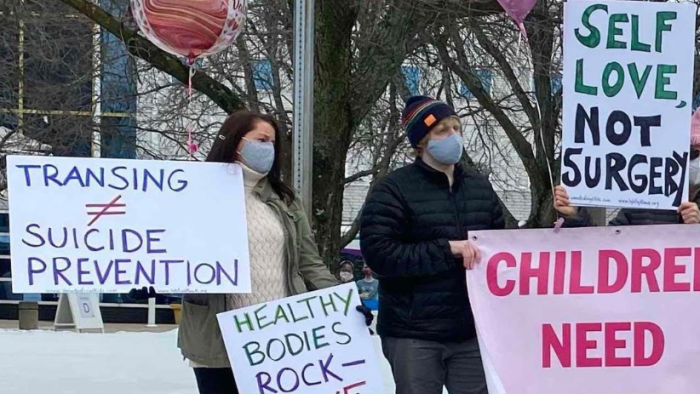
column 192, row 147
column 189, row 82
column 523, row 31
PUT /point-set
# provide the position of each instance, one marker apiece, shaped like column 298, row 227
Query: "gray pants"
column 424, row 367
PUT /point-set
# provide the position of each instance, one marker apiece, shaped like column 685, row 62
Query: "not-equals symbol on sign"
column 113, row 207
column 349, row 389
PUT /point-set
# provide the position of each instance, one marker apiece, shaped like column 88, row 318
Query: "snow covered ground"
column 43, row 362
column 48, row 362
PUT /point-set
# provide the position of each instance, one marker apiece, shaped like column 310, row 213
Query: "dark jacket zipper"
column 453, row 199
column 459, row 225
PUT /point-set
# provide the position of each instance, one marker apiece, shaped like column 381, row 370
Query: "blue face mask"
column 448, row 150
column 258, row 156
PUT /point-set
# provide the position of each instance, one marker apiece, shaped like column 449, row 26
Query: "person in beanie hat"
column 687, row 213
column 421, row 115
column 414, row 236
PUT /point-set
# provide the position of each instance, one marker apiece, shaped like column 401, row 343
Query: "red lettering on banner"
column 657, row 347
column 697, row 270
column 583, row 345
column 575, row 286
column 621, row 270
column 612, row 345
column 550, row 341
column 540, row 274
column 642, row 356
column 492, row 274
column 671, row 269
column 559, row 272
column 639, row 269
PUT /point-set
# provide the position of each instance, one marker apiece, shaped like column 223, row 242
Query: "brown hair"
column 236, row 126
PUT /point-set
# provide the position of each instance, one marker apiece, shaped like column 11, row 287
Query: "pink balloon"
column 518, row 10
column 190, row 28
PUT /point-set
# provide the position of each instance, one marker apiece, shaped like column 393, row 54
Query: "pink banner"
column 589, row 311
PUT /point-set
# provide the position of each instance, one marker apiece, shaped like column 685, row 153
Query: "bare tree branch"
column 461, row 69
column 509, row 73
column 359, row 175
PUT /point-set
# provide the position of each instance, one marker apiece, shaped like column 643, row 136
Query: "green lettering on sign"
column 245, row 322
column 661, row 26
column 256, row 351
column 581, row 87
column 614, row 31
column 613, row 90
column 662, row 81
column 639, row 83
column 591, row 40
column 636, row 44
column 260, row 319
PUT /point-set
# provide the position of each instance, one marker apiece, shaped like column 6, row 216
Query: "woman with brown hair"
column 284, row 259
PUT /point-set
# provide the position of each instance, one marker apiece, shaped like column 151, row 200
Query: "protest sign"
column 628, row 80
column 99, row 225
column 594, row 311
column 314, row 343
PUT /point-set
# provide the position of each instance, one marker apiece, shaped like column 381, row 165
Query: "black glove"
column 143, row 293
column 367, row 313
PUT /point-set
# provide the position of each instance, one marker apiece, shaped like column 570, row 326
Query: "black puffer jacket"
column 645, row 217
column 406, row 225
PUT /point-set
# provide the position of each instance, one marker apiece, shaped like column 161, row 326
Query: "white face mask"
column 258, row 156
column 346, row 276
column 694, row 172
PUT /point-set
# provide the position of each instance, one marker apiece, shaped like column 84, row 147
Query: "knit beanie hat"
column 695, row 129
column 421, row 115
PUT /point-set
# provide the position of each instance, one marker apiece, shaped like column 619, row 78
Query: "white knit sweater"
column 266, row 242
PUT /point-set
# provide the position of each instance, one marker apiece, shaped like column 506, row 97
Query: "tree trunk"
column 541, row 34
column 333, row 120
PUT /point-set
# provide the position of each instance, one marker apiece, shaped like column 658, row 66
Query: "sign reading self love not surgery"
column 628, row 79
column 113, row 225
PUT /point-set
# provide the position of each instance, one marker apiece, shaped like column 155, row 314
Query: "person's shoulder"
column 474, row 176
column 475, row 180
column 402, row 174
column 394, row 181
column 296, row 204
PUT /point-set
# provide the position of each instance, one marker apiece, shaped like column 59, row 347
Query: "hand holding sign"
column 143, row 293
column 469, row 253
column 562, row 203
column 689, row 212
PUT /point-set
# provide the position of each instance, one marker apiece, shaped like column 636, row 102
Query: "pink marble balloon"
column 190, row 28
column 518, row 10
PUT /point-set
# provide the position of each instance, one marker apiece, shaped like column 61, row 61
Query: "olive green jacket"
column 199, row 337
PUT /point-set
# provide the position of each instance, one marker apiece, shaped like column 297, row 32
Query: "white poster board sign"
column 314, row 343
column 628, row 80
column 102, row 225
